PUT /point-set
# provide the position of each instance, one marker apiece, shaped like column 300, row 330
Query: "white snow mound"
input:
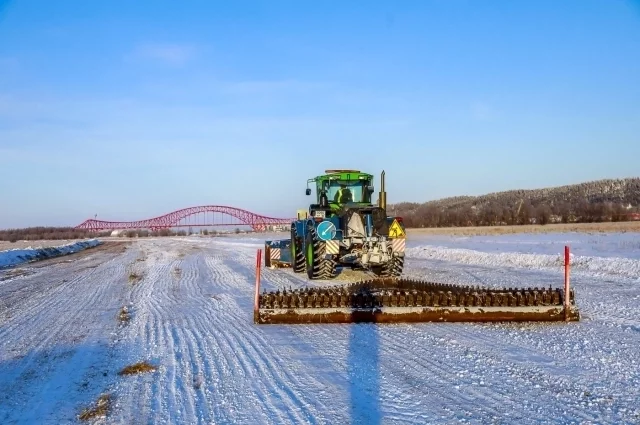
column 593, row 265
column 13, row 257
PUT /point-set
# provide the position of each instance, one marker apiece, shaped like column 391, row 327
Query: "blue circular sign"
column 326, row 230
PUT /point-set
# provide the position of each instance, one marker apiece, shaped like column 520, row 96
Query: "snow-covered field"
column 190, row 301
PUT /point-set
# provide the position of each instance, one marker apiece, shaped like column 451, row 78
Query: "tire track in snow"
column 160, row 313
column 254, row 359
column 244, row 378
column 242, row 264
column 187, row 349
column 142, row 393
column 56, row 309
column 221, row 274
column 163, row 307
column 199, row 345
column 472, row 391
column 415, row 368
column 61, row 339
column 31, row 308
column 570, row 357
column 198, row 374
column 191, row 358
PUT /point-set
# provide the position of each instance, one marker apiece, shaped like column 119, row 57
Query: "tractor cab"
column 338, row 188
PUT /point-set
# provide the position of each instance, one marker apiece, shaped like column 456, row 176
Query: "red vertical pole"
column 566, row 283
column 255, row 301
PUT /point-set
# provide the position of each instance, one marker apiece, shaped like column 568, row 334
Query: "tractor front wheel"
column 318, row 267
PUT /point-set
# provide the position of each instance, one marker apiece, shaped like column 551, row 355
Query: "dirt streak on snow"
column 191, row 316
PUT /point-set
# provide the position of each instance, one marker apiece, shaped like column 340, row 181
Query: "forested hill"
column 601, row 200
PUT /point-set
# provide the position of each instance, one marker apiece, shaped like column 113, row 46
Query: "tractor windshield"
column 344, row 191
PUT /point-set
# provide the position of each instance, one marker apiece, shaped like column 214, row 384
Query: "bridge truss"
column 181, row 218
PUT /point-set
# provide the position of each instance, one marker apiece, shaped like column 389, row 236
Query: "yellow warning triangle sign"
column 395, row 230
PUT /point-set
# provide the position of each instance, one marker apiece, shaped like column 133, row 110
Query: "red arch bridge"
column 203, row 216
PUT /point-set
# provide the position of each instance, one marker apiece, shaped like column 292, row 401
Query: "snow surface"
column 626, row 245
column 61, row 345
column 13, row 257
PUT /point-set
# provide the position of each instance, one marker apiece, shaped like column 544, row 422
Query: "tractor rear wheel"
column 318, row 267
column 297, row 255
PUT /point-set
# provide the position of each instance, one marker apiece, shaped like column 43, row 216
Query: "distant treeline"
column 600, row 201
column 67, row 233
column 500, row 215
column 46, row 233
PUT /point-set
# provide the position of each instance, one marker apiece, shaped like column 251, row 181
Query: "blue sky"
column 133, row 109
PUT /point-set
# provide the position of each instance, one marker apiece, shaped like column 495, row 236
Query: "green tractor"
column 343, row 228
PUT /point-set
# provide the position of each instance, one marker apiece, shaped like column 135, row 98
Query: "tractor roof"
column 344, row 175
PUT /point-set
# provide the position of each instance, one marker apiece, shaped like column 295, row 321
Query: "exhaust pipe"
column 382, row 197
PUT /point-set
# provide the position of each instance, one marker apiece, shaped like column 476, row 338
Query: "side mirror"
column 370, row 189
column 308, row 192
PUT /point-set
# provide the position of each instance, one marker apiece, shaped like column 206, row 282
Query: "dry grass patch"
column 134, row 277
column 124, row 316
column 134, row 369
column 99, row 410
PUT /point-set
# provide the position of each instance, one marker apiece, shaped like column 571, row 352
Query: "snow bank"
column 620, row 245
column 594, row 265
column 13, row 257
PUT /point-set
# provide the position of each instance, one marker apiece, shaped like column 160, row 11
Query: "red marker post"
column 257, row 294
column 566, row 283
